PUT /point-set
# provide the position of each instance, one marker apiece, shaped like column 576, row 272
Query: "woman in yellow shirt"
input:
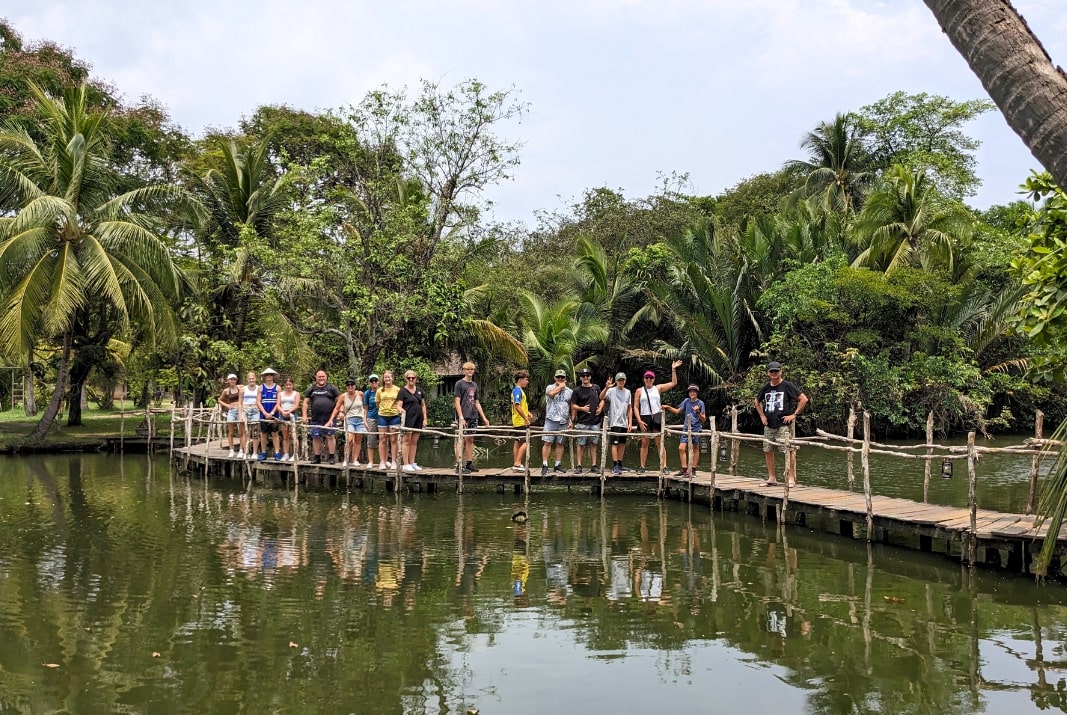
column 388, row 420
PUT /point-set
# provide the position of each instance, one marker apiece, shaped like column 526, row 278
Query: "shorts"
column 355, row 425
column 318, row 428
column 553, row 426
column 470, row 423
column 251, row 414
column 593, row 438
column 696, row 437
column 777, row 436
column 393, row 421
column 617, row 435
column 232, row 414
column 652, row 424
column 372, row 432
column 415, row 422
column 268, row 425
column 521, row 429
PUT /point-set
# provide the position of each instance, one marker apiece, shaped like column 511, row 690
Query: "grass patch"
column 97, row 426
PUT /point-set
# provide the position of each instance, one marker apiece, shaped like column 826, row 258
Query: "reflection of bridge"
column 977, row 536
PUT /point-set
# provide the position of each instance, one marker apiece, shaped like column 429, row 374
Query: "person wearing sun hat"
column 695, row 414
column 648, row 412
column 778, row 403
column 620, row 418
column 267, row 402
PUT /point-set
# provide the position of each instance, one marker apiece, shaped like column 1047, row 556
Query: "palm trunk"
column 29, row 392
column 62, row 375
column 1015, row 70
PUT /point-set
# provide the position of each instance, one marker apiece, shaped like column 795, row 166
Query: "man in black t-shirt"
column 586, row 409
column 469, row 410
column 321, row 398
column 779, row 403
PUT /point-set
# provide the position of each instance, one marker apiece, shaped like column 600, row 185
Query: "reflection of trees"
column 381, row 598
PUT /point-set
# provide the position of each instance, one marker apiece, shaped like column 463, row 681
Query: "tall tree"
column 73, row 245
column 837, row 168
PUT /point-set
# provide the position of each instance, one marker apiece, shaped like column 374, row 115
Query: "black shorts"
column 617, row 435
column 653, row 423
column 470, row 423
column 415, row 421
column 521, row 429
column 268, row 425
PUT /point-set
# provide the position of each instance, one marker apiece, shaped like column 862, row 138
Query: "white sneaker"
column 356, row 464
column 292, row 458
column 518, row 468
column 417, row 467
column 231, row 454
column 409, row 468
column 392, row 465
column 383, row 465
column 344, row 464
column 285, row 457
column 241, row 454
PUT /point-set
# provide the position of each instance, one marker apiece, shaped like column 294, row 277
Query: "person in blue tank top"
column 267, row 402
column 370, row 403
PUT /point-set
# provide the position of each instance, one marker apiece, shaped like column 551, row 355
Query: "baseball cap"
column 620, row 376
column 561, row 373
column 774, row 365
column 585, row 371
column 231, row 376
column 350, row 381
column 372, row 377
column 649, row 373
column 692, row 388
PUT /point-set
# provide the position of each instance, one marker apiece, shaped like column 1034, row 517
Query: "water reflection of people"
column 557, row 574
column 520, row 567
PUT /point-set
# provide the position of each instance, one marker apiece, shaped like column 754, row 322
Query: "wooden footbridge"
column 969, row 534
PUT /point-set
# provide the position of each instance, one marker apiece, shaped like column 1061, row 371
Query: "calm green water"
column 152, row 593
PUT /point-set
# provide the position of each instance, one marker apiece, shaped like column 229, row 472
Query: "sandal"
column 769, row 483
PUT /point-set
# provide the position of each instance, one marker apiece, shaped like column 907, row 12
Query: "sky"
column 621, row 93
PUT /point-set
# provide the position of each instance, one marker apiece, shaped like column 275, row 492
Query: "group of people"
column 376, row 413
column 380, row 410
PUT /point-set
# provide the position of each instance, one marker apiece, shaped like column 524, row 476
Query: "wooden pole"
column 663, row 472
column 851, row 435
column 972, row 500
column 714, row 461
column 865, row 460
column 122, row 426
column 460, row 423
column 689, row 457
column 526, row 464
column 929, row 456
column 735, row 445
column 173, row 415
column 148, row 421
column 603, row 454
column 1035, row 464
column 189, row 426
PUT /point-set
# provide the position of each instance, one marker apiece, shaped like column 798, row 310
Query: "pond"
column 126, row 587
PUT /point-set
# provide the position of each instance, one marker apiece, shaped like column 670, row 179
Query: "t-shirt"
column 618, row 399
column 467, row 392
column 557, row 408
column 387, row 398
column 688, row 408
column 778, row 401
column 321, row 401
column 411, row 403
column 586, row 396
column 518, row 400
column 371, row 403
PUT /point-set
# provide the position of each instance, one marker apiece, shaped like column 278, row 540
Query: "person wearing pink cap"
column 648, row 411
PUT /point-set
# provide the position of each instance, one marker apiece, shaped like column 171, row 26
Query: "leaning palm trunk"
column 62, row 375
column 1015, row 70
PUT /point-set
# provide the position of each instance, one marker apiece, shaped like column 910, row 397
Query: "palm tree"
column 242, row 195
column 606, row 292
column 905, row 222
column 72, row 244
column 837, row 167
column 557, row 334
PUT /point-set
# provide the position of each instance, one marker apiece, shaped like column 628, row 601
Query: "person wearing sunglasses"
column 779, row 403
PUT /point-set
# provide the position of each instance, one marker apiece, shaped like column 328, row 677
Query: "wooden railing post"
column 929, row 456
column 972, row 500
column 735, row 445
column 851, row 436
column 865, row 460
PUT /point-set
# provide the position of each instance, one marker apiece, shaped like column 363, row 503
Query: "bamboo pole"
column 526, row 465
column 1035, row 464
column 663, row 472
column 735, row 446
column 460, row 424
column 865, row 459
column 173, row 419
column 189, row 426
column 929, row 456
column 603, row 454
column 689, row 456
column 122, row 426
column 851, row 435
column 972, row 500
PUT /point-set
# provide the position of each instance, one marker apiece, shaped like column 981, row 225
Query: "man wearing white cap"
column 557, row 414
column 620, row 419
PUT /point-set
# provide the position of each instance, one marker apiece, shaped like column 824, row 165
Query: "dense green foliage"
column 356, row 240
